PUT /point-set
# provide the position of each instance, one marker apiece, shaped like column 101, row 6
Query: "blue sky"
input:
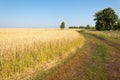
column 50, row 13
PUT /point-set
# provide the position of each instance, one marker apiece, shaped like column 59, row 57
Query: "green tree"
column 87, row 27
column 105, row 19
column 118, row 23
column 62, row 26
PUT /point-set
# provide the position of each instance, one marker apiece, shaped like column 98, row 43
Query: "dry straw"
column 21, row 50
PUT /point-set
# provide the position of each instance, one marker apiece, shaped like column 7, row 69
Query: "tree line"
column 106, row 19
column 81, row 27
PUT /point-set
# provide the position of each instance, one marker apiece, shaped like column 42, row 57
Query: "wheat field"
column 23, row 51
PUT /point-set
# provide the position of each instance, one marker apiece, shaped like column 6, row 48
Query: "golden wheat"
column 22, row 50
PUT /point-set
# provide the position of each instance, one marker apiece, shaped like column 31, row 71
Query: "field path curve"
column 98, row 59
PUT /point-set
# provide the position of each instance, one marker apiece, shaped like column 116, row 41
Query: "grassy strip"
column 109, row 40
column 112, row 39
column 112, row 35
column 94, row 68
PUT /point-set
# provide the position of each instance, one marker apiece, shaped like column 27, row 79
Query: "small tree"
column 87, row 27
column 62, row 26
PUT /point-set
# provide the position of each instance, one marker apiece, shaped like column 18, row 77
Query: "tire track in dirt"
column 108, row 42
column 73, row 69
column 113, row 62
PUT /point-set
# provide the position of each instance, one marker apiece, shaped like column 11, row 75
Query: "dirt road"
column 98, row 59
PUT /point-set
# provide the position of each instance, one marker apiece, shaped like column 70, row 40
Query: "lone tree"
column 105, row 19
column 87, row 26
column 62, row 26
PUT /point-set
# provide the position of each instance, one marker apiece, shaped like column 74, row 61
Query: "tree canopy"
column 118, row 24
column 106, row 19
column 62, row 26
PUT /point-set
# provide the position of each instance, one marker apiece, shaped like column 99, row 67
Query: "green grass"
column 94, row 68
column 113, row 36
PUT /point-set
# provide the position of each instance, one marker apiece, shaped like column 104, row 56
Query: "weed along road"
column 98, row 59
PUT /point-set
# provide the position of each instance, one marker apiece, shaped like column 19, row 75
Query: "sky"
column 50, row 13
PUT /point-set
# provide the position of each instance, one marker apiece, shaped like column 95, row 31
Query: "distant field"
column 24, row 51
